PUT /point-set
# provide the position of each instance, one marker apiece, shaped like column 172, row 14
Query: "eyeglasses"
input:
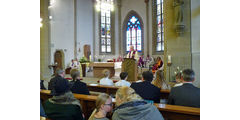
column 111, row 104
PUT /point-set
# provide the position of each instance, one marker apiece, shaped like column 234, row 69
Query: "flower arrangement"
column 83, row 60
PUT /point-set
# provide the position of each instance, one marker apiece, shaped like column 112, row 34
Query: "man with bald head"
column 132, row 53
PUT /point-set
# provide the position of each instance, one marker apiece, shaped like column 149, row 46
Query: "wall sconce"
column 179, row 17
column 41, row 23
column 50, row 17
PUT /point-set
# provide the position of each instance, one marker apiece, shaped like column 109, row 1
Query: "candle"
column 169, row 59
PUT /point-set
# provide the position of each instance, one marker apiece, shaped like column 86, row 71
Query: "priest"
column 132, row 53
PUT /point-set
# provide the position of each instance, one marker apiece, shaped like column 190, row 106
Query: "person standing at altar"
column 75, row 64
column 132, row 53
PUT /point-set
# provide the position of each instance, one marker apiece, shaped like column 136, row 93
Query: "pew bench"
column 169, row 112
column 113, row 89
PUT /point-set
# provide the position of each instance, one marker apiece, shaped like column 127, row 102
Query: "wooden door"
column 58, row 58
column 87, row 51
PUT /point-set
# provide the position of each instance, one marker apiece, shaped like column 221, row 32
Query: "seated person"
column 187, row 94
column 106, row 80
column 42, row 113
column 145, row 89
column 42, row 85
column 178, row 79
column 103, row 106
column 123, row 82
column 130, row 106
column 160, row 81
column 78, row 86
column 63, row 105
column 157, row 65
column 59, row 74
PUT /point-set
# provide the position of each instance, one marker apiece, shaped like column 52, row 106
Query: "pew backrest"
column 173, row 112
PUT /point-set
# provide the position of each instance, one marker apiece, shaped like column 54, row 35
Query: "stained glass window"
column 160, row 26
column 105, row 8
column 134, row 34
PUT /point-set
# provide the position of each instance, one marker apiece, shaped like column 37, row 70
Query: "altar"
column 98, row 67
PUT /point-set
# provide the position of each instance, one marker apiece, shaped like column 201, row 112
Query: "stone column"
column 119, row 27
column 147, row 29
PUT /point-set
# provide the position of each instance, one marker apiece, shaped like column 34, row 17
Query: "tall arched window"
column 160, row 27
column 134, row 34
column 105, row 7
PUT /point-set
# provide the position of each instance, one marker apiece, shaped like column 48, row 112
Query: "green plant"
column 83, row 60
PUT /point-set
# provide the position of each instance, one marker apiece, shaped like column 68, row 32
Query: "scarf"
column 66, row 98
column 133, row 55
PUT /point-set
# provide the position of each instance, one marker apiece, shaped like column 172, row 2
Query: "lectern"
column 129, row 65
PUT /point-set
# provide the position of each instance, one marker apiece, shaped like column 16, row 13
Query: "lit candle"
column 169, row 59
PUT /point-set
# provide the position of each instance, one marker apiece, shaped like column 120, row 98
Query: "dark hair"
column 147, row 75
column 123, row 75
column 188, row 75
column 61, row 86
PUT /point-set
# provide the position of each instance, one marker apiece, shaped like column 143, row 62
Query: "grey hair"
column 188, row 75
column 59, row 71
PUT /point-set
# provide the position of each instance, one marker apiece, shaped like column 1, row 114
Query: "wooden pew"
column 169, row 112
column 113, row 89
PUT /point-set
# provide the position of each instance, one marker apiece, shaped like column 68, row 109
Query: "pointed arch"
column 125, row 27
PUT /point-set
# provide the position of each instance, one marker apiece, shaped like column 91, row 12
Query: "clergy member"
column 132, row 53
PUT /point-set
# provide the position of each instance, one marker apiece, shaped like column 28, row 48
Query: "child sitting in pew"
column 103, row 106
column 123, row 82
column 106, row 80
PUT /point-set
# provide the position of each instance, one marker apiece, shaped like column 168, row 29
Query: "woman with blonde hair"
column 130, row 106
column 103, row 106
column 160, row 81
column 106, row 80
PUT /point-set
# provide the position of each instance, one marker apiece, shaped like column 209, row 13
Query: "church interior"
column 98, row 34
column 73, row 29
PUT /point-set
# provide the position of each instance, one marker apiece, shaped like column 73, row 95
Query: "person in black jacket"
column 187, row 94
column 78, row 86
column 42, row 85
column 145, row 89
column 63, row 105
column 59, row 74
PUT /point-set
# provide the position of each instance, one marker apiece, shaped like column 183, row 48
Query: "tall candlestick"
column 169, row 59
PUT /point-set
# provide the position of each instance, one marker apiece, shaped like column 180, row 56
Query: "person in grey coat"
column 130, row 106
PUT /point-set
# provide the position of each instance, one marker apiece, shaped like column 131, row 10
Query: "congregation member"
column 178, row 79
column 158, row 65
column 42, row 85
column 59, row 74
column 63, row 105
column 160, row 81
column 186, row 94
column 42, row 112
column 105, row 80
column 123, row 81
column 130, row 106
column 103, row 106
column 146, row 89
column 76, row 85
